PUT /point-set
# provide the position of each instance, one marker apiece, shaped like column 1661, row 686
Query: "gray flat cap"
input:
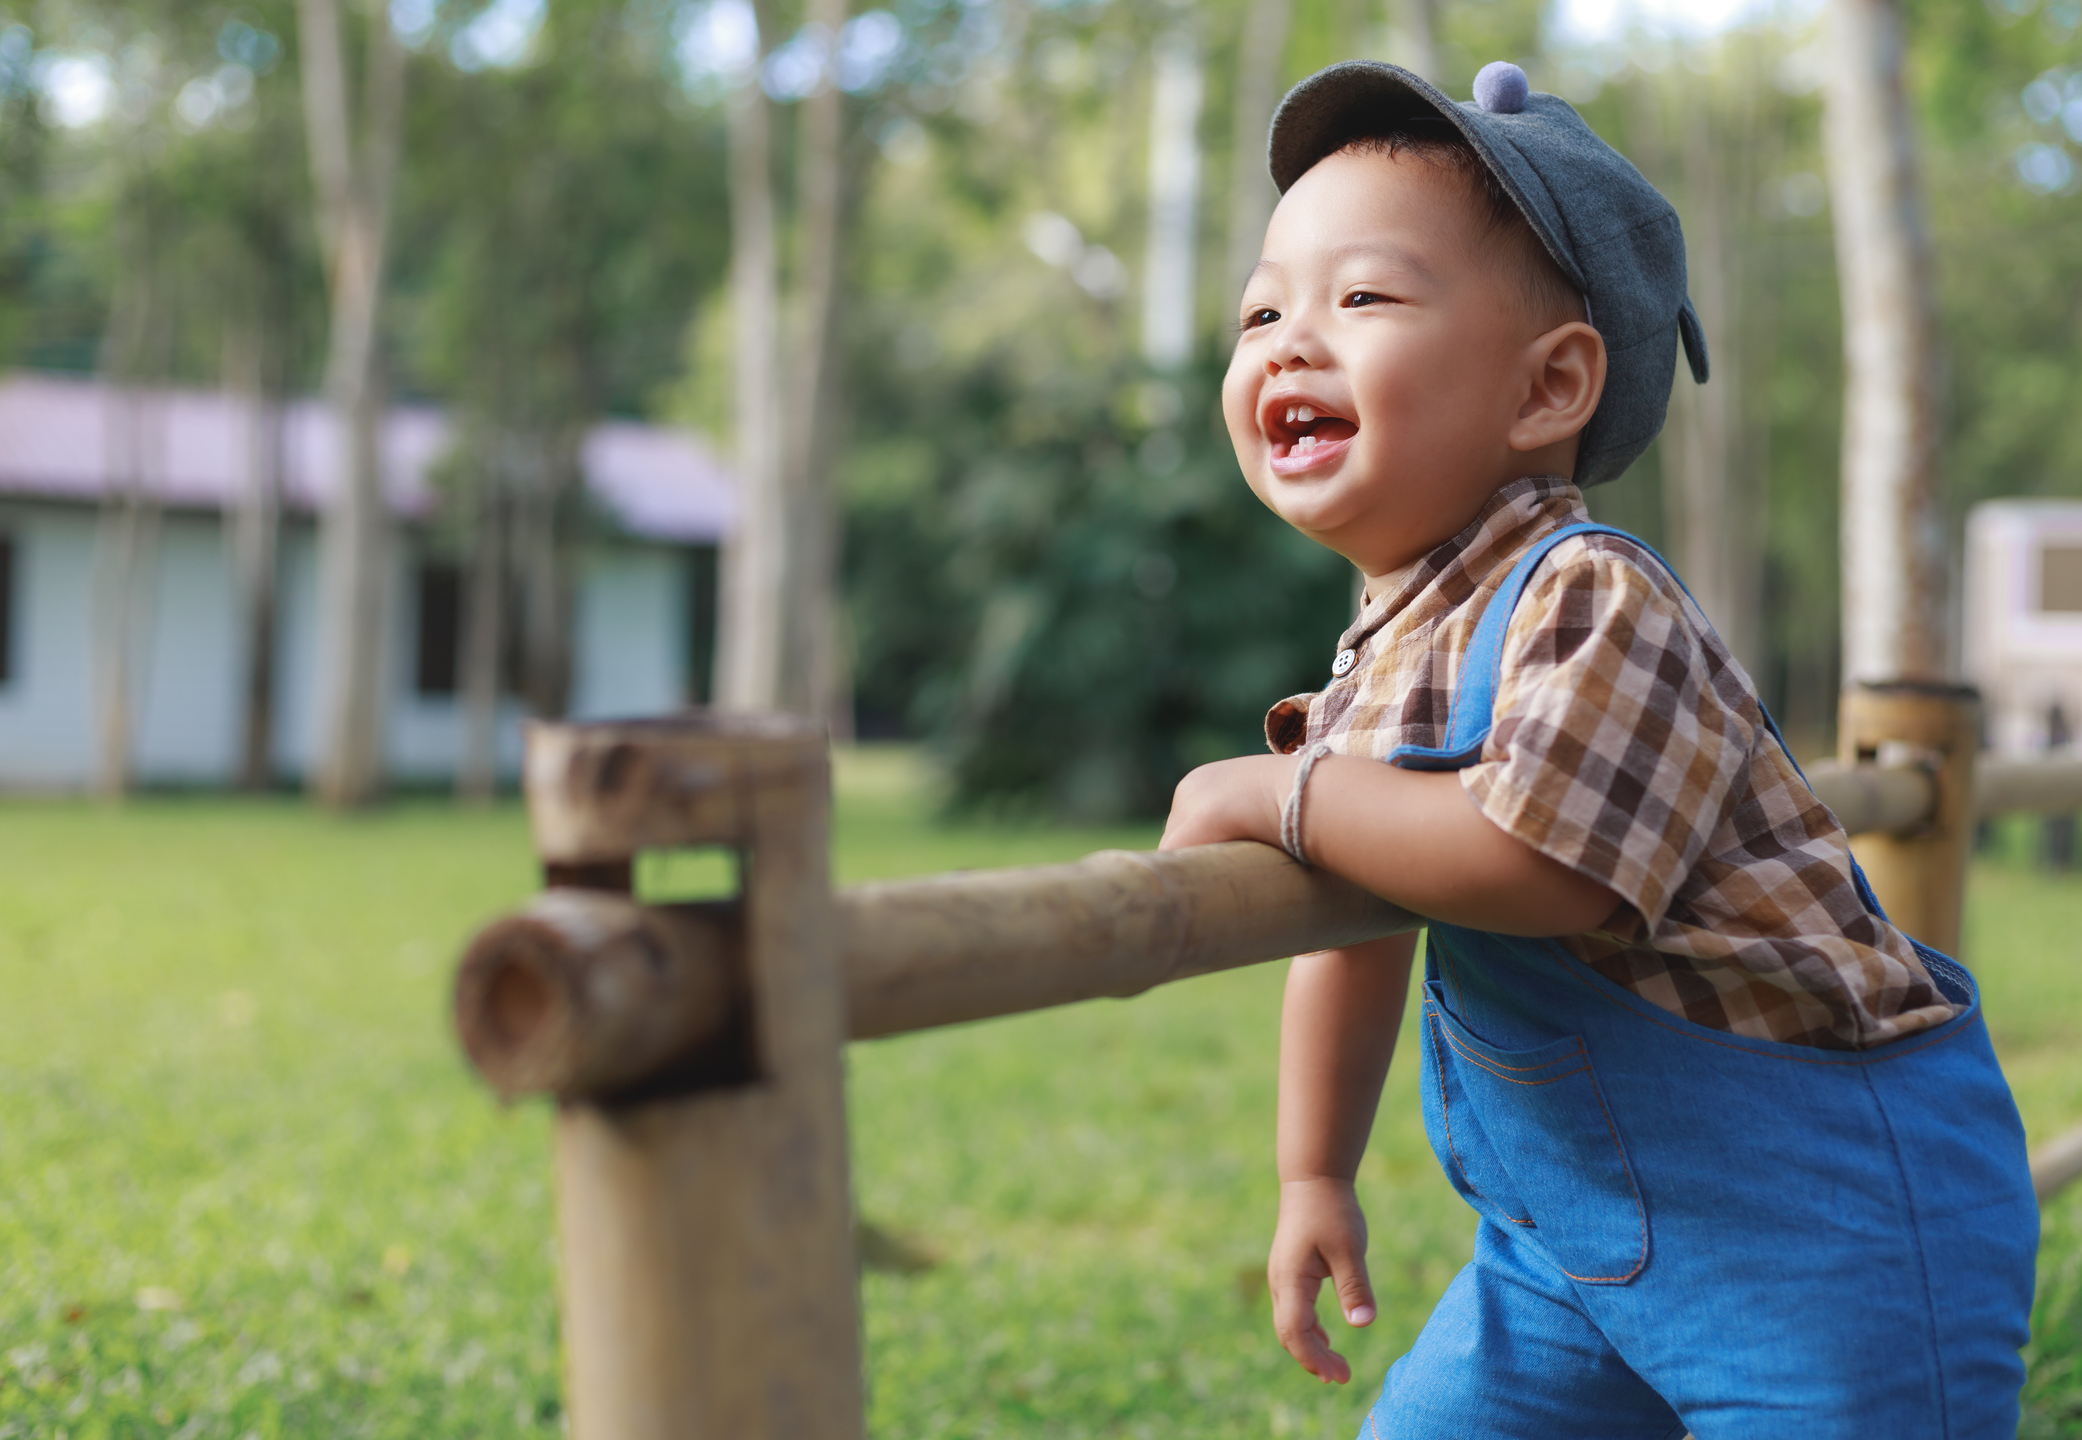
column 1612, row 233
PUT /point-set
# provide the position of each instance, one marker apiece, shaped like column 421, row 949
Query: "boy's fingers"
column 1310, row 1348
column 1355, row 1293
column 1302, row 1335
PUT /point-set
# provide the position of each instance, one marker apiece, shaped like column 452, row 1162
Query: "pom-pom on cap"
column 1501, row 88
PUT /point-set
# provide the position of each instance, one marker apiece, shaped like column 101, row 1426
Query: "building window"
column 437, row 669
column 2060, row 579
column 440, row 628
column 701, row 624
column 7, row 608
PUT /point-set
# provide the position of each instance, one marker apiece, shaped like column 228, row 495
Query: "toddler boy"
column 1744, row 1161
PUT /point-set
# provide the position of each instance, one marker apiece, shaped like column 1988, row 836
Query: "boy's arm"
column 1412, row 837
column 1337, row 1034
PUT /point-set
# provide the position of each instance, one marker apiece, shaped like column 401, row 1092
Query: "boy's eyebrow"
column 1356, row 249
column 1382, row 250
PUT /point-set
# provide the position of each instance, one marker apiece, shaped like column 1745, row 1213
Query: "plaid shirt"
column 1631, row 747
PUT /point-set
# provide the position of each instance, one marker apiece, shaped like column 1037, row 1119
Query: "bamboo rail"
column 589, row 994
column 2028, row 787
column 703, row 1206
column 2056, row 1164
column 1870, row 798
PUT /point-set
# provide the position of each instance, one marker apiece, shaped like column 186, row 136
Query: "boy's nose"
column 1298, row 346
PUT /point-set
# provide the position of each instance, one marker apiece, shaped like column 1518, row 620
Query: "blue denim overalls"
column 1687, row 1229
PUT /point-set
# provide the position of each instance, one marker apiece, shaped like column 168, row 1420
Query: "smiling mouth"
column 1304, row 436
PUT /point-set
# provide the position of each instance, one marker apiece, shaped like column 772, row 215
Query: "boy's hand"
column 1321, row 1236
column 1237, row 799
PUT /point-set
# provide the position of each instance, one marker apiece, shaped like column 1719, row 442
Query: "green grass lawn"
column 248, row 1188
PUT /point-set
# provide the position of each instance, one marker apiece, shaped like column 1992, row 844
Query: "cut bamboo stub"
column 584, row 995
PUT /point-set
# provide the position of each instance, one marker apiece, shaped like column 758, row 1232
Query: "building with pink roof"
column 642, row 630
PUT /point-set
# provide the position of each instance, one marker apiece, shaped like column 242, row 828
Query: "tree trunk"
column 543, row 564
column 1412, row 37
column 1892, row 565
column 125, row 552
column 1712, row 494
column 810, row 668
column 1251, row 191
column 253, row 371
column 125, row 547
column 1174, row 195
column 354, row 169
column 484, row 639
column 750, row 632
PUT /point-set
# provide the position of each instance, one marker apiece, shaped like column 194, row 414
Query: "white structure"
column 2023, row 630
column 1174, row 198
column 645, row 594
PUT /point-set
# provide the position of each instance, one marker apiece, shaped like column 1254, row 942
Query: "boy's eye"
column 1365, row 297
column 1263, row 316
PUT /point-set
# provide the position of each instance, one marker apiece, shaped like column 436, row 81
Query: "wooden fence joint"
column 703, row 1202
column 1919, row 872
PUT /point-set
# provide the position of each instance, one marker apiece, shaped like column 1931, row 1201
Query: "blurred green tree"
column 557, row 226
column 176, row 220
column 1110, row 604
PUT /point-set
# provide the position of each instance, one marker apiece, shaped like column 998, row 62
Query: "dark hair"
column 1550, row 299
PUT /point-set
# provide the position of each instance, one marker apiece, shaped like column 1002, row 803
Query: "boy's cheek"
column 1240, row 413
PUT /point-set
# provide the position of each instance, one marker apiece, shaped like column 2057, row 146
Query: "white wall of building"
column 188, row 712
column 46, row 706
column 2025, row 659
column 630, row 634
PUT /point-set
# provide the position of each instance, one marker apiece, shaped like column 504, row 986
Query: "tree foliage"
column 1114, row 605
column 1052, row 570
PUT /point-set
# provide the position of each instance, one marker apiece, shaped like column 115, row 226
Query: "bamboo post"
column 1919, row 874
column 708, row 1218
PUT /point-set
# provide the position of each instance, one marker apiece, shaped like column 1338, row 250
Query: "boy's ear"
column 1565, row 374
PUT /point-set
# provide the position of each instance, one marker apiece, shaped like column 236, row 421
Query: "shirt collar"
column 1520, row 510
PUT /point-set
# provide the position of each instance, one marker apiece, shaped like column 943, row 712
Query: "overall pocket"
column 1526, row 1137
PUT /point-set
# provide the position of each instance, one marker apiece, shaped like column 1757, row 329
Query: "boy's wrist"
column 1237, row 799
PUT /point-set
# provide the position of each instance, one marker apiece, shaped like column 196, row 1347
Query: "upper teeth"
column 1299, row 414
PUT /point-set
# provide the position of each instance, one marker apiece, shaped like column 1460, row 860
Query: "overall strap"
column 1471, row 714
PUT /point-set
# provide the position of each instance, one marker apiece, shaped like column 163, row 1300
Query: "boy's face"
column 1388, row 363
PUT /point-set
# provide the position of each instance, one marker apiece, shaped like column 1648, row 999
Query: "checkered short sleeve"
column 1286, row 724
column 1621, row 737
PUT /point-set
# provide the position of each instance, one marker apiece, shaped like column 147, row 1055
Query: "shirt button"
column 1342, row 665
